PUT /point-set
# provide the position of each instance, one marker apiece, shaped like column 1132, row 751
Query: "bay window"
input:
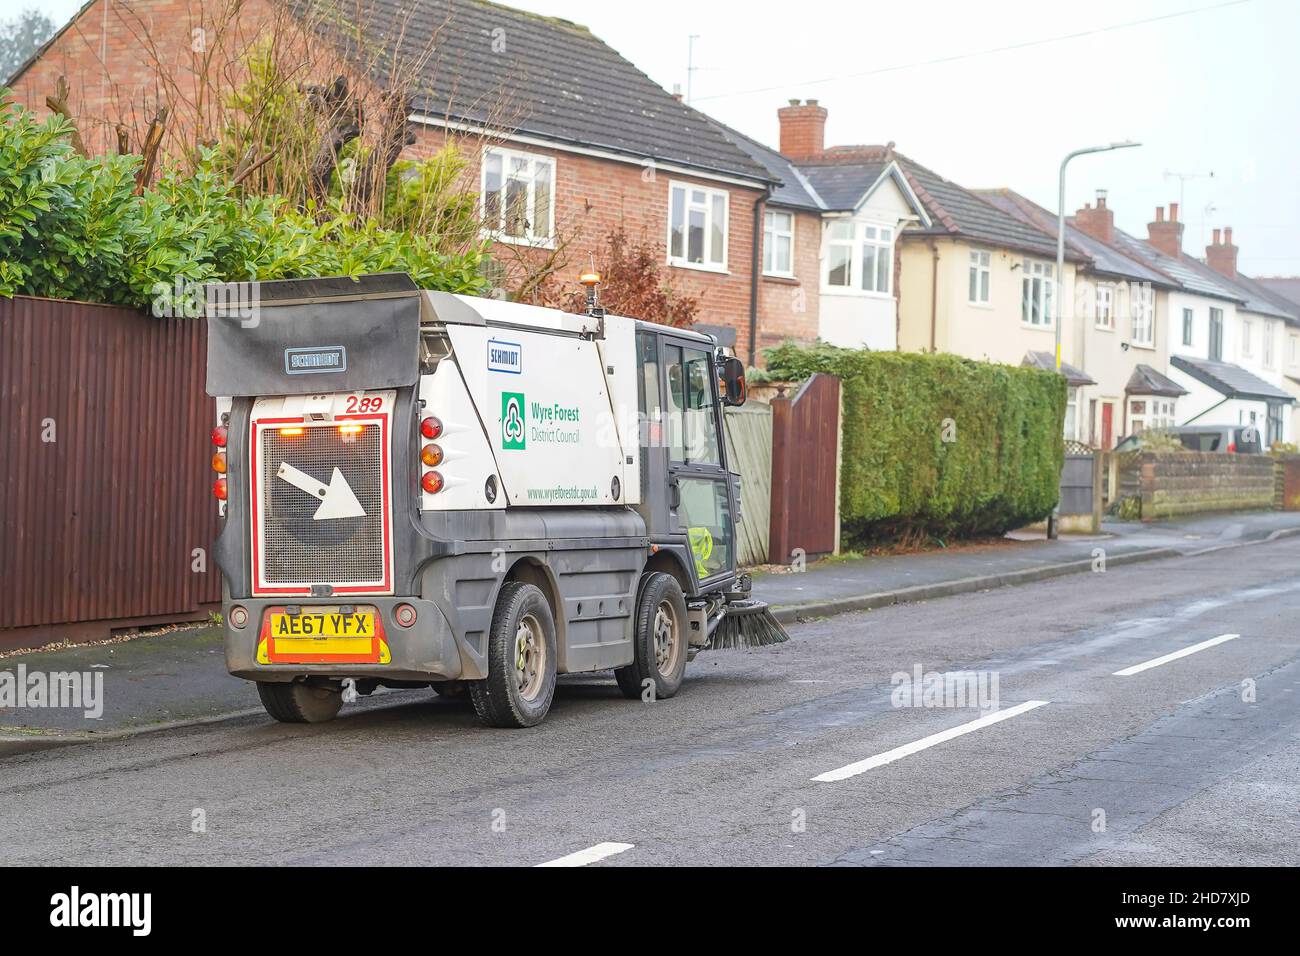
column 859, row 257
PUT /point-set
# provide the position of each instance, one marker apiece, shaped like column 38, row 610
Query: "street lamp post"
column 1053, row 523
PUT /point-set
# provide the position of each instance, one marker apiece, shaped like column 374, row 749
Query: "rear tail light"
column 431, row 482
column 219, row 463
column 404, row 614
column 431, row 455
column 431, row 427
column 219, row 436
column 238, row 616
column 1232, row 446
column 219, row 489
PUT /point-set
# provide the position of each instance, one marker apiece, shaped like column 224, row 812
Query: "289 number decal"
column 364, row 403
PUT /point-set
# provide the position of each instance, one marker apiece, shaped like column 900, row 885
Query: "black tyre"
column 300, row 703
column 660, row 640
column 521, row 660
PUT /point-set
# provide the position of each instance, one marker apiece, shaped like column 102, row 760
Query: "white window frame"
column 1266, row 345
column 708, row 263
column 863, row 235
column 1142, row 307
column 1103, row 307
column 979, row 278
column 770, row 234
column 1070, row 424
column 1247, row 338
column 1043, row 273
column 1295, row 349
column 1189, row 328
column 1155, row 412
column 498, row 231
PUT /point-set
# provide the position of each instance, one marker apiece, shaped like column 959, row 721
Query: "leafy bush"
column 73, row 228
column 936, row 443
column 632, row 283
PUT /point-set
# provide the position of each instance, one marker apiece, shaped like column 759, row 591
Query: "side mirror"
column 732, row 379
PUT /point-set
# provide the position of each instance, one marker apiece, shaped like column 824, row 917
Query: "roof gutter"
column 571, row 146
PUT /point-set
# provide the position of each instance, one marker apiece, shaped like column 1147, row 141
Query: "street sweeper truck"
column 425, row 489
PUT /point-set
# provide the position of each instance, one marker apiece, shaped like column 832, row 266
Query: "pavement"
column 835, row 586
column 1144, row 714
column 179, row 677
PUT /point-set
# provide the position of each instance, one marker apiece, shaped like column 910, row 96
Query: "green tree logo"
column 512, row 420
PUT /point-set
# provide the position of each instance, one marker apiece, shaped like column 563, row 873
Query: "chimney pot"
column 1160, row 213
column 1173, row 212
column 1216, row 237
column 811, row 102
column 794, row 102
column 1227, row 236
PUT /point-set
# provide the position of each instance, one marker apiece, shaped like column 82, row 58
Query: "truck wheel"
column 660, row 640
column 521, row 660
column 300, row 703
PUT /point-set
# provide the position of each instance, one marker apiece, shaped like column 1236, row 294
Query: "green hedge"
column 939, row 444
column 73, row 227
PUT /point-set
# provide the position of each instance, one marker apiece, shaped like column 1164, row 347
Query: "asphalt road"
column 1194, row 759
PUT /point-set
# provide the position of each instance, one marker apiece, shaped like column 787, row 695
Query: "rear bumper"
column 425, row 651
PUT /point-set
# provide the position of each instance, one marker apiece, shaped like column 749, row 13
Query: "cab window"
column 692, row 422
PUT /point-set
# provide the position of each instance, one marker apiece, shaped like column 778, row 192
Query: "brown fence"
column 106, row 514
column 1286, row 483
column 1169, row 484
column 805, row 457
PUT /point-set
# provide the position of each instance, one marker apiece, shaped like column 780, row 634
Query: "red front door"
column 1107, row 425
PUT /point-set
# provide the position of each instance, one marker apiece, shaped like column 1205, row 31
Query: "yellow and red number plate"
column 322, row 635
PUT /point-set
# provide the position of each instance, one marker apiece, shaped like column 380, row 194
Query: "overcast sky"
column 1215, row 91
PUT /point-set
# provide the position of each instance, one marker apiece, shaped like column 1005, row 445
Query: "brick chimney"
column 1167, row 236
column 803, row 130
column 1098, row 223
column 1221, row 256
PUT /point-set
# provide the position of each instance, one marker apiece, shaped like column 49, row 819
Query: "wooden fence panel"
column 104, row 466
column 749, row 451
column 805, row 459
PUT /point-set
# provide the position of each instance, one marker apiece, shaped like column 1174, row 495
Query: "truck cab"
column 423, row 489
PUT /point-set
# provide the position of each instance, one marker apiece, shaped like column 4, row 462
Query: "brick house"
column 908, row 259
column 567, row 140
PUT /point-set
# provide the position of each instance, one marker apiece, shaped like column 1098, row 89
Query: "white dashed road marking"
column 889, row 756
column 592, row 854
column 1156, row 662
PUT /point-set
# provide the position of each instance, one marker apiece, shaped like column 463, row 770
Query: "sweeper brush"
column 747, row 623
